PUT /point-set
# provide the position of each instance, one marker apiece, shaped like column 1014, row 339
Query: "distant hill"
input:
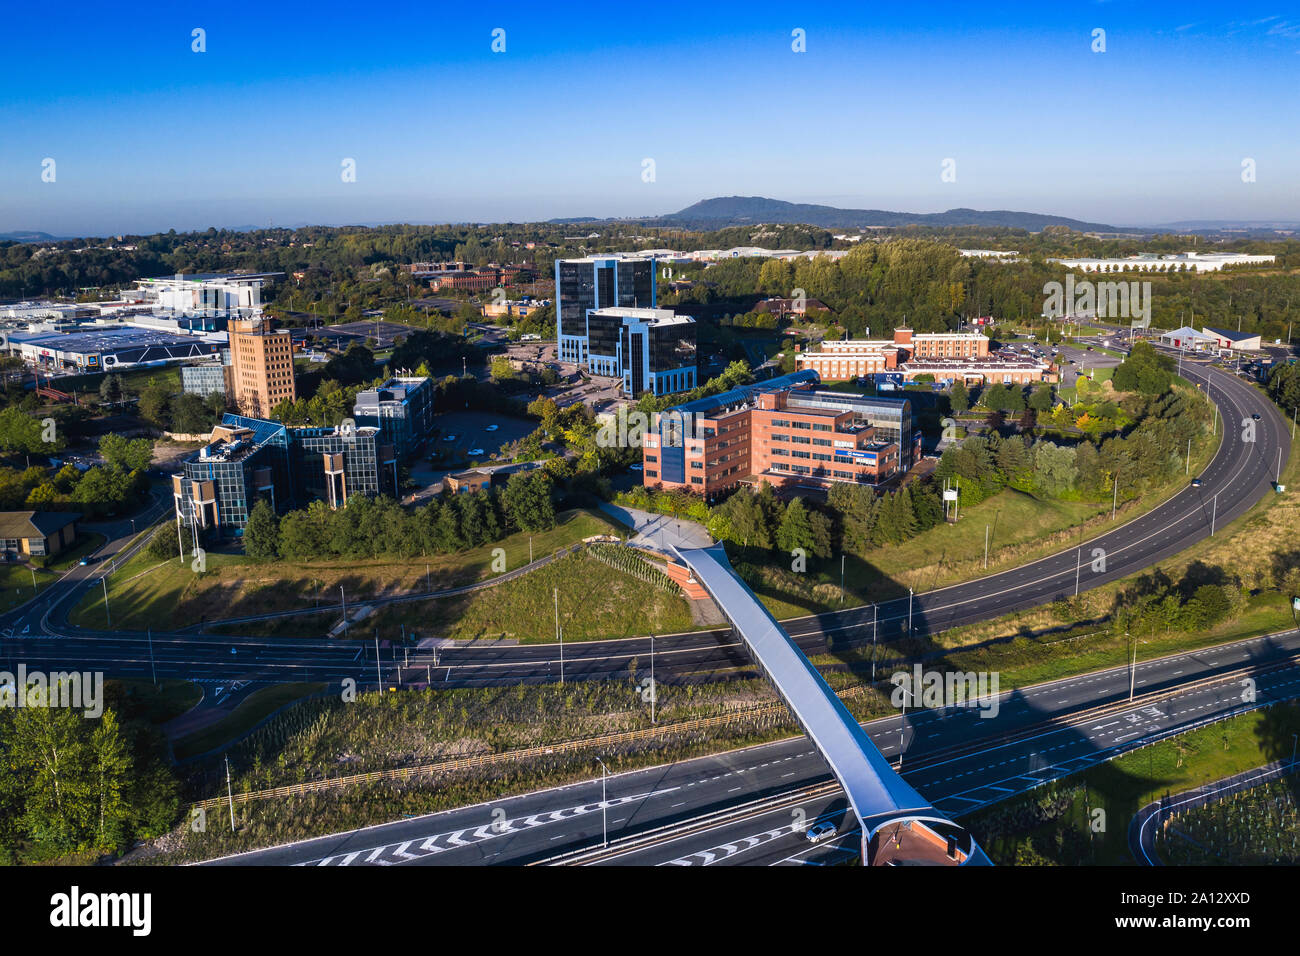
column 26, row 237
column 725, row 211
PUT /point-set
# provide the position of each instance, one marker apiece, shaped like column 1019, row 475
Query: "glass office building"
column 402, row 410
column 597, row 282
column 651, row 350
column 248, row 459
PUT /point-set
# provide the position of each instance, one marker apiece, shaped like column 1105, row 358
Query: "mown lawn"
column 595, row 602
column 146, row 593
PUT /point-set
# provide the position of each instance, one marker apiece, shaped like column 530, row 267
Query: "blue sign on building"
column 852, row 453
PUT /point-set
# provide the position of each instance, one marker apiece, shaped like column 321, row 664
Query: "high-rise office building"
column 651, row 350
column 261, row 366
column 597, row 282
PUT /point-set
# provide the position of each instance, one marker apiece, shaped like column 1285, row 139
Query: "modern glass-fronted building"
column 651, row 350
column 248, row 459
column 597, row 282
column 402, row 410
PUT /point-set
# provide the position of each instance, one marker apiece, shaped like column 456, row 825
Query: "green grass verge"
column 87, row 543
column 156, row 704
column 595, row 602
column 251, row 711
column 146, row 593
column 1050, row 825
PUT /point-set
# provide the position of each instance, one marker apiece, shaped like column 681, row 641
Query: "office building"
column 402, row 410
column 248, row 459
column 38, row 534
column 597, row 282
column 782, row 431
column 217, row 294
column 205, row 380
column 851, row 358
column 261, row 372
column 651, row 350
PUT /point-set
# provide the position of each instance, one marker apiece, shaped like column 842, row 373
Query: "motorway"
column 751, row 806
column 1240, row 473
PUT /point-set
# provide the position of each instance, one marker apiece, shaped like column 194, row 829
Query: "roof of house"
column 34, row 524
column 471, row 475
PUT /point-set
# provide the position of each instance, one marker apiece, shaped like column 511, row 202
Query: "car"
column 84, row 562
column 448, row 437
column 491, row 428
column 475, row 452
column 1255, row 416
column 820, row 831
column 635, row 467
column 1196, row 482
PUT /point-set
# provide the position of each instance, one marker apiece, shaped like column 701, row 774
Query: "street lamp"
column 604, row 806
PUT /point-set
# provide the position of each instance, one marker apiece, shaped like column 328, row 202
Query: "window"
column 697, row 481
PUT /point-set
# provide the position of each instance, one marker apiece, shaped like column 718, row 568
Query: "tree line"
column 380, row 527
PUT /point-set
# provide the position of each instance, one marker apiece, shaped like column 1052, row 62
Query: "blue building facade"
column 597, row 282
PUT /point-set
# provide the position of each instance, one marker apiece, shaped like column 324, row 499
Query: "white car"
column 635, row 467
column 820, row 831
column 475, row 452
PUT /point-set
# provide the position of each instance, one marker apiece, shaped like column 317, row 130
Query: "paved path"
column 656, row 532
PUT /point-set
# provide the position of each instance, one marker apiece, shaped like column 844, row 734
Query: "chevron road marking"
column 392, row 853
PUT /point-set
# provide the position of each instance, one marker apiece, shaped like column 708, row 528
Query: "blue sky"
column 148, row 135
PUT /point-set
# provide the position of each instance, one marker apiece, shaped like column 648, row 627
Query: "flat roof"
column 101, row 340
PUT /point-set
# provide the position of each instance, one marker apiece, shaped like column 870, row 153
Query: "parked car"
column 492, row 428
column 448, row 437
column 475, row 452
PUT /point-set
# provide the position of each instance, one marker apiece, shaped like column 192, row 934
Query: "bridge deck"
column 876, row 792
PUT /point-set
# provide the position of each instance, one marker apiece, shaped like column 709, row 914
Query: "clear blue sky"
column 148, row 135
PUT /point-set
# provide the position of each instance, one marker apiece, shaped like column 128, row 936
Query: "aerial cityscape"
column 826, row 457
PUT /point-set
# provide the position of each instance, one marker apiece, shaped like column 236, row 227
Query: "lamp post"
column 902, row 726
column 873, row 643
column 604, row 804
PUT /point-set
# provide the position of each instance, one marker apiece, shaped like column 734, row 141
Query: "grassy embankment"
column 145, row 593
column 1050, row 825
